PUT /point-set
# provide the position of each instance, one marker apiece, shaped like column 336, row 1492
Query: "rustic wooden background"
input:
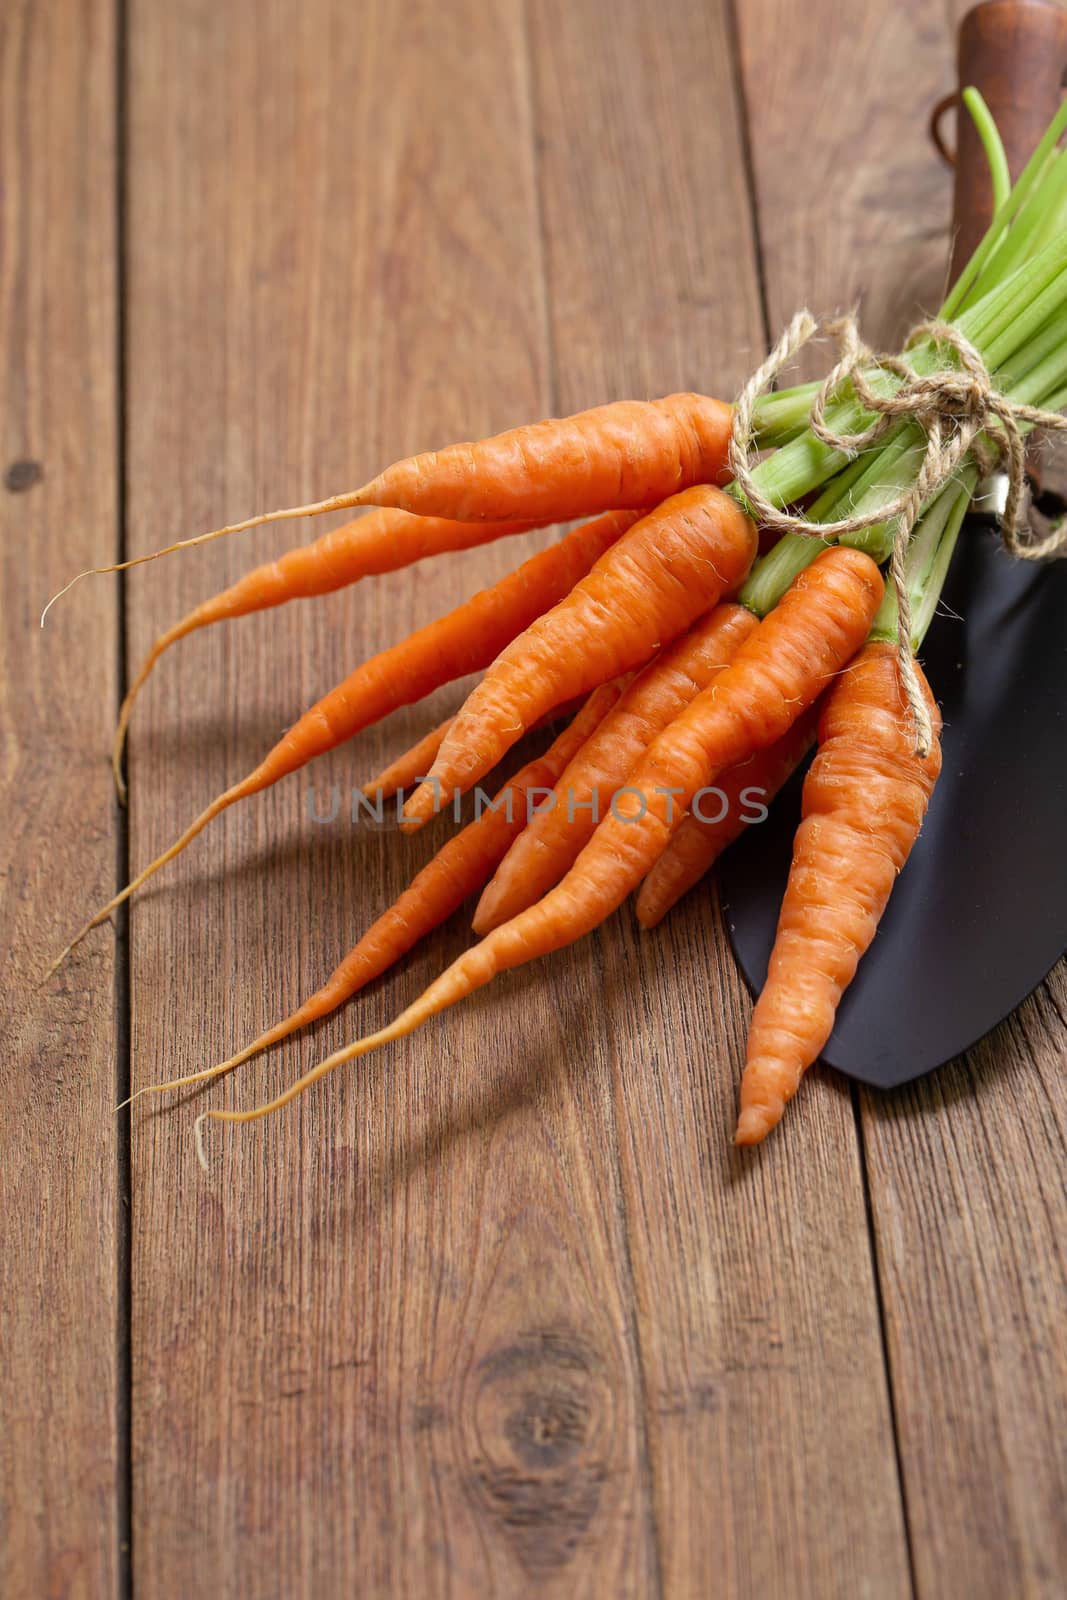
column 500, row 1312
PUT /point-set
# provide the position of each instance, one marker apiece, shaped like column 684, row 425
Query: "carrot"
column 459, row 868
column 409, row 767
column 416, row 762
column 461, row 642
column 701, row 839
column 383, row 541
column 864, row 801
column 778, row 672
column 551, row 841
column 668, row 569
column 630, row 454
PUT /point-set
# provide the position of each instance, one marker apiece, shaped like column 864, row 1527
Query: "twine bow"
column 960, row 411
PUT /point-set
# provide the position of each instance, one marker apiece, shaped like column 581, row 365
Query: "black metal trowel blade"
column 979, row 915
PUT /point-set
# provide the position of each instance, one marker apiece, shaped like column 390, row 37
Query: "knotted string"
column 960, row 411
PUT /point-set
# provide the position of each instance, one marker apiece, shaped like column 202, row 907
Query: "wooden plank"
column 387, row 1344
column 965, row 1168
column 966, row 1172
column 768, row 1422
column 856, row 212
column 59, row 1452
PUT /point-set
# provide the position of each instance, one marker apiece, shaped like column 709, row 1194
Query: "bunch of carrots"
column 677, row 657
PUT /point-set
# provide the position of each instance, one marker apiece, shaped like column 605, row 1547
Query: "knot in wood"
column 541, row 1422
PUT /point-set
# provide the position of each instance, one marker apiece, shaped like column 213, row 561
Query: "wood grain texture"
column 498, row 1312
column 966, row 1172
column 855, row 214
column 756, row 1312
column 388, row 1345
column 58, row 1449
column 965, row 1168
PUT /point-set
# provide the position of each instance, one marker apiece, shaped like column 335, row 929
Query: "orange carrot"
column 550, row 843
column 416, row 762
column 383, row 541
column 409, row 767
column 702, row 838
column 864, row 801
column 776, row 674
column 461, row 642
column 667, row 570
column 459, row 868
column 631, row 453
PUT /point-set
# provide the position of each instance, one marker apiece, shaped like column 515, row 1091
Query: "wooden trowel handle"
column 1014, row 52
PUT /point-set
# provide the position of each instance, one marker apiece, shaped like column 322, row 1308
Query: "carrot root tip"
column 103, row 915
column 198, row 1139
column 67, row 587
column 58, row 962
column 421, row 807
column 755, row 1123
column 130, row 1098
column 148, row 1088
column 411, row 824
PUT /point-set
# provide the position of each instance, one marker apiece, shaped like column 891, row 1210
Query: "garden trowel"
column 979, row 915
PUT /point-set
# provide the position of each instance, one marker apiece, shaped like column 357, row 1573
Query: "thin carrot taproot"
column 465, row 640
column 458, row 870
column 409, row 767
column 552, row 840
column 704, row 835
column 413, row 764
column 673, row 565
column 380, row 542
column 776, row 674
column 865, row 797
column 628, row 454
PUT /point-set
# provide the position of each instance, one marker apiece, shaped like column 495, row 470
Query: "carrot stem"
column 1029, row 179
column 992, row 144
column 1029, row 346
column 1001, row 324
column 880, row 479
column 927, row 562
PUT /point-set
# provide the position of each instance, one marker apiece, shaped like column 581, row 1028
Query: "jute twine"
column 959, row 410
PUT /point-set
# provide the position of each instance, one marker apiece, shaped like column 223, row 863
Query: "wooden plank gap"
column 879, row 1294
column 122, row 994
column 733, row 30
column 548, row 332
